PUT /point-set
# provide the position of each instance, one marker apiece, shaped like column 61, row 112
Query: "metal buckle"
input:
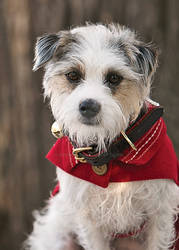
column 76, row 151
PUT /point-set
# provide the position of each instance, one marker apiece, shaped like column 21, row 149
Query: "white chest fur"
column 121, row 207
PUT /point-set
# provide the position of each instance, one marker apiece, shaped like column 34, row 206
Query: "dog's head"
column 97, row 78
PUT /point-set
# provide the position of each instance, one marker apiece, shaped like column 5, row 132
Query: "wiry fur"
column 81, row 208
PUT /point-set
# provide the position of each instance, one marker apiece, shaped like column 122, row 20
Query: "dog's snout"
column 89, row 108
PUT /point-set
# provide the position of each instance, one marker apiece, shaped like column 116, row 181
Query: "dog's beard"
column 87, row 138
column 99, row 136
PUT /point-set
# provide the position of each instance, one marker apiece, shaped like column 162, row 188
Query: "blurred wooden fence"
column 25, row 176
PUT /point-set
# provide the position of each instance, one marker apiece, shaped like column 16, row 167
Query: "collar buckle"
column 76, row 152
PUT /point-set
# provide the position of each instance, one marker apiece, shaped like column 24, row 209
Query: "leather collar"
column 134, row 132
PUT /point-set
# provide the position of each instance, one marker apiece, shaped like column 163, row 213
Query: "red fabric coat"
column 155, row 158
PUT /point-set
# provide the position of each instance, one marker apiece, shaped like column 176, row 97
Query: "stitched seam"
column 132, row 151
column 151, row 144
column 146, row 143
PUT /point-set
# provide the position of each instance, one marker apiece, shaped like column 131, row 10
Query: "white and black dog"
column 98, row 79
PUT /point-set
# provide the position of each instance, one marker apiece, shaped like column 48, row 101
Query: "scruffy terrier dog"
column 115, row 164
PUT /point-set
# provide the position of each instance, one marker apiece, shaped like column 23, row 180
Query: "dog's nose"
column 89, row 108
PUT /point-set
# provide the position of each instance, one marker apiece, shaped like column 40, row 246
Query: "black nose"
column 89, row 108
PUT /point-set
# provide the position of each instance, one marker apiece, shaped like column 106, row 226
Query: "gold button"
column 100, row 170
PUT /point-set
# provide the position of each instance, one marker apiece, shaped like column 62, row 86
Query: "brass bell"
column 56, row 130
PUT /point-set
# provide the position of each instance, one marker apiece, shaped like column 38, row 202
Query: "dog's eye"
column 113, row 79
column 73, row 76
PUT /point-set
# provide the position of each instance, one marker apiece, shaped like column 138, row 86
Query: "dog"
column 116, row 167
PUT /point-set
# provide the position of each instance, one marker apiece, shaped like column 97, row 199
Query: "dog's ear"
column 146, row 60
column 52, row 46
column 45, row 49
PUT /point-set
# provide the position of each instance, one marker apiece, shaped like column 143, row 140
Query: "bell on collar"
column 56, row 130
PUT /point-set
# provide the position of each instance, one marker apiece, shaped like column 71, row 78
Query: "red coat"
column 155, row 158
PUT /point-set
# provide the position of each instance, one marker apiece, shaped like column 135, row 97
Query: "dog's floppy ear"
column 146, row 60
column 45, row 49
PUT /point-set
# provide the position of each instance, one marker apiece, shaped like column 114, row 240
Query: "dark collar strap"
column 134, row 132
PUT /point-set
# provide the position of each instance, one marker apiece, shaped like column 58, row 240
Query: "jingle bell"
column 56, row 130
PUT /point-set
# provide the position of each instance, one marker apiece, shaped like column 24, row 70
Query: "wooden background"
column 26, row 177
